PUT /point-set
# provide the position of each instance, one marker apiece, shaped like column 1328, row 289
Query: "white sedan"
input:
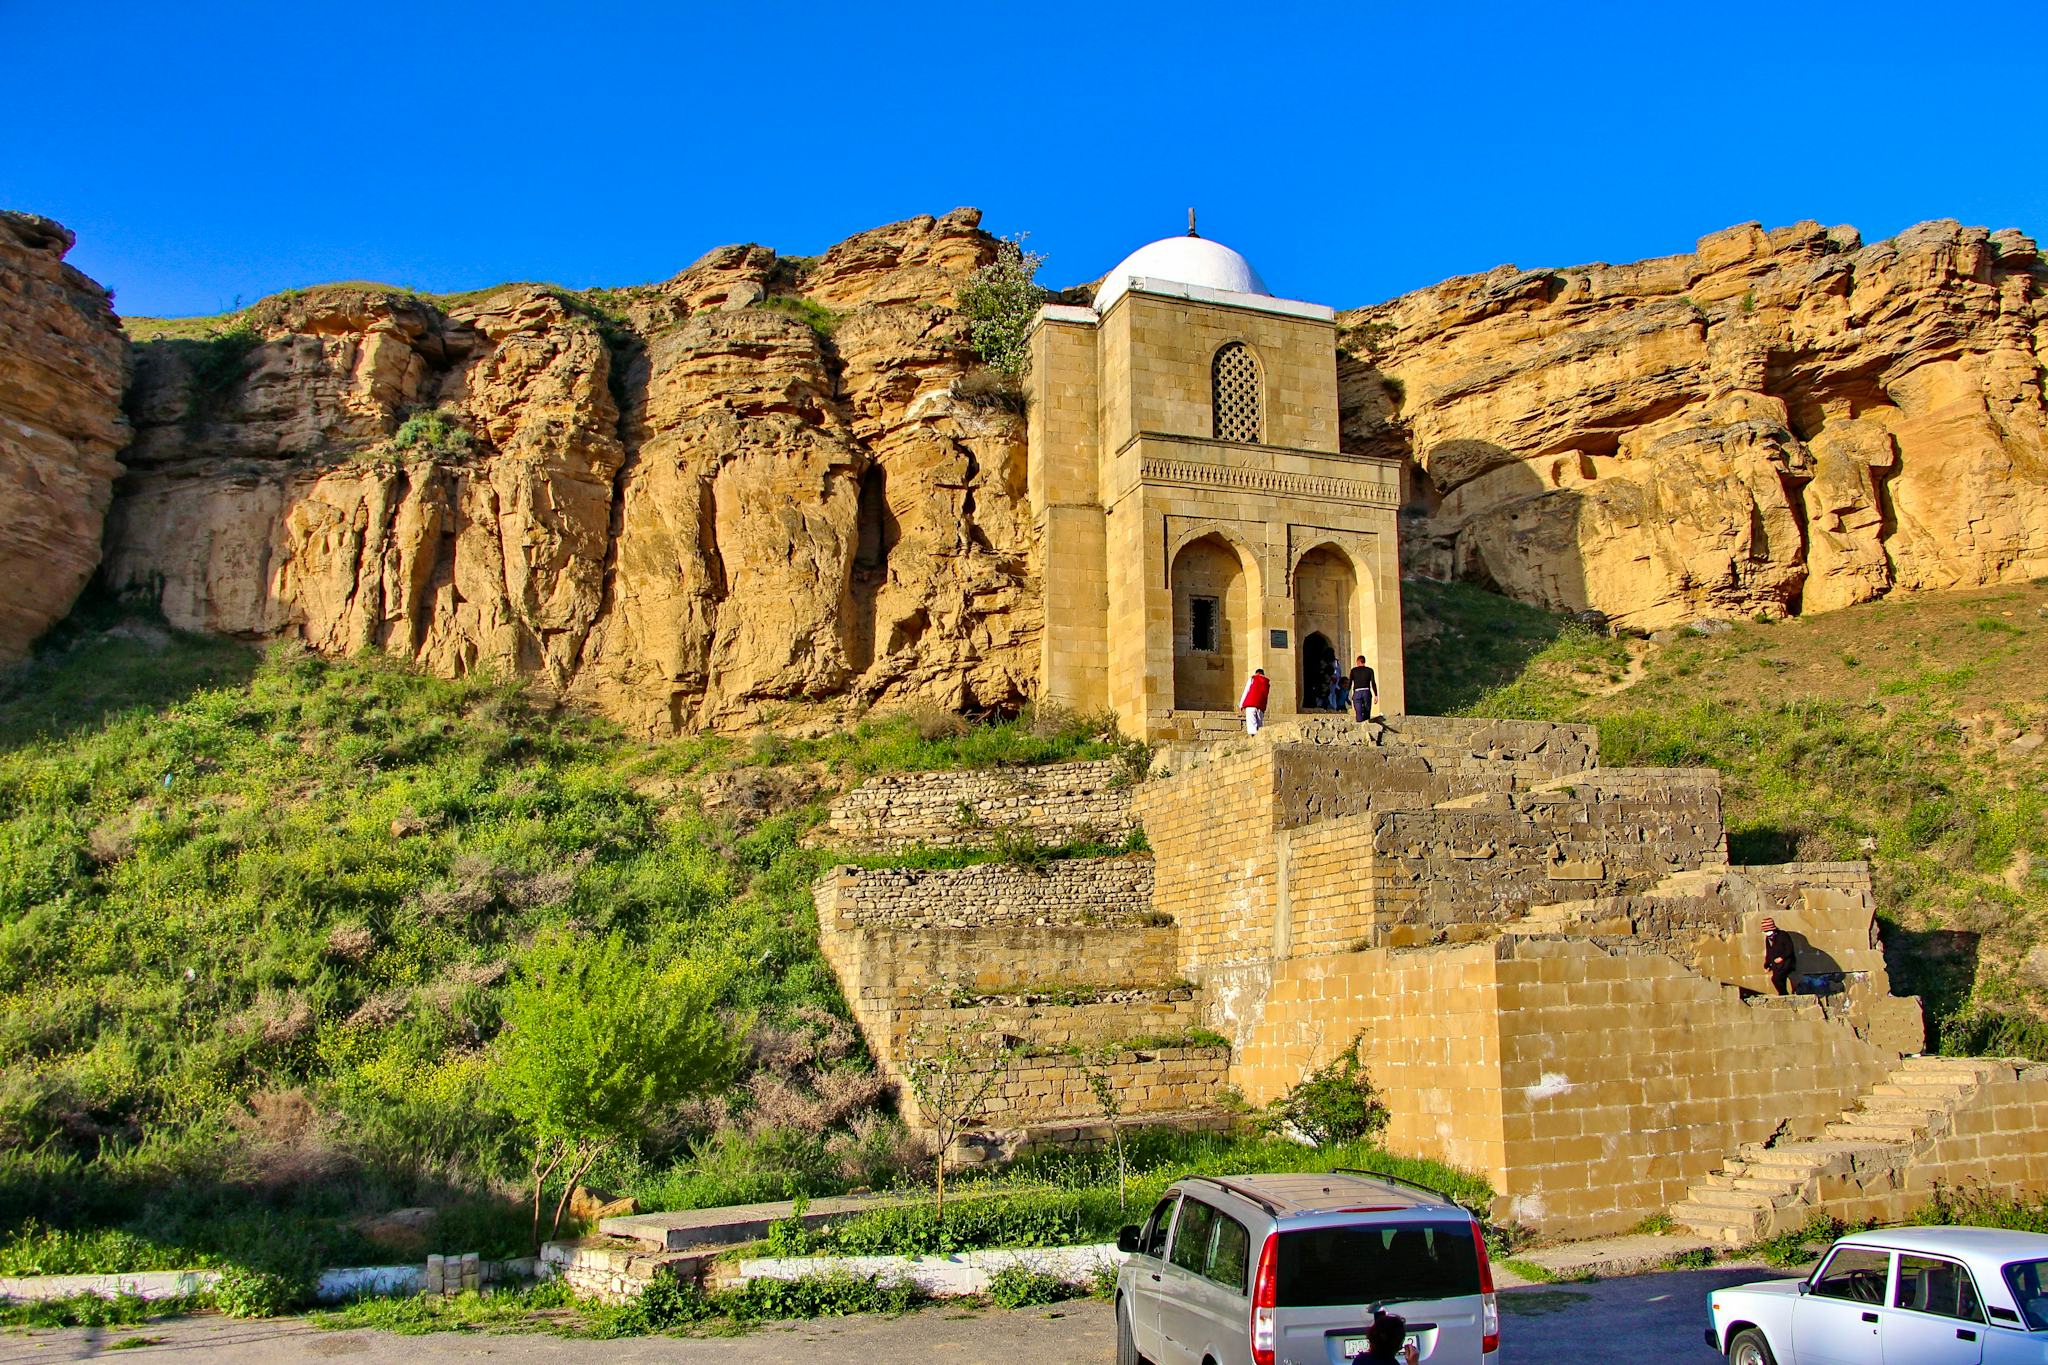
column 1899, row 1296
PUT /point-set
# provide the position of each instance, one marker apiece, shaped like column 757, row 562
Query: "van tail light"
column 1489, row 1302
column 1265, row 1297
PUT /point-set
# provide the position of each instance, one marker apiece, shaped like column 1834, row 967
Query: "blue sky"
column 208, row 151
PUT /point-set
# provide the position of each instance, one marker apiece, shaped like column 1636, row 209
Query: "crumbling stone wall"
column 1058, row 803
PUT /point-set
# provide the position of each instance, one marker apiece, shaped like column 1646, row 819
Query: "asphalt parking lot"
column 1604, row 1322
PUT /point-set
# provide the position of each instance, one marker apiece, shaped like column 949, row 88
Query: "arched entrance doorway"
column 1318, row 662
column 1325, row 611
column 1211, row 613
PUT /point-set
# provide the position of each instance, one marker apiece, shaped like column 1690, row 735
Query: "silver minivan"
column 1288, row 1270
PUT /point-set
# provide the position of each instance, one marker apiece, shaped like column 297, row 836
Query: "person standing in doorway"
column 1779, row 951
column 1253, row 703
column 1365, row 689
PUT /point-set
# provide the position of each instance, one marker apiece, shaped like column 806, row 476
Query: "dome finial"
column 1191, row 224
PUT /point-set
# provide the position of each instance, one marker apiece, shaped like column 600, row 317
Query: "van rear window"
column 1375, row 1262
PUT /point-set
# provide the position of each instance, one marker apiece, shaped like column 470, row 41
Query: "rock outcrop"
column 760, row 482
column 753, row 483
column 63, row 364
column 1780, row 422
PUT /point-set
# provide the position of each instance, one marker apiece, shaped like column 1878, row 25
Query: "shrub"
column 1021, row 1286
column 1336, row 1102
column 80, row 1310
column 834, row 1294
column 429, row 432
column 242, row 1292
column 1000, row 301
column 596, row 1042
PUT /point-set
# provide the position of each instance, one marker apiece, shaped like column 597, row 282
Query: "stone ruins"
column 1553, row 967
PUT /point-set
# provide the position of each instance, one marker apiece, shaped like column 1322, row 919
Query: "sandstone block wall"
column 1055, row 804
column 1592, row 1084
column 1625, row 1078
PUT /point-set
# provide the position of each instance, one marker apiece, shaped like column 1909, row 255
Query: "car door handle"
column 1155, row 1279
column 1965, row 1334
column 1867, row 1317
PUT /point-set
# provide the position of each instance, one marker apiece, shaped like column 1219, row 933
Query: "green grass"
column 816, row 316
column 254, row 915
column 1072, row 1199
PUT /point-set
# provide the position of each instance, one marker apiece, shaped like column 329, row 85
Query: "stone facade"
column 1184, row 543
column 1057, row 803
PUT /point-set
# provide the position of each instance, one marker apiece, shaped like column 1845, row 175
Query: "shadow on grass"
column 1464, row 642
column 108, row 660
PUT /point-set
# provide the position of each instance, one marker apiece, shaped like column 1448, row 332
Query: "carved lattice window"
column 1236, row 374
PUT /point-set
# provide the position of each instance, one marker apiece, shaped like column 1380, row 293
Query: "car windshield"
column 2028, row 1281
column 1376, row 1263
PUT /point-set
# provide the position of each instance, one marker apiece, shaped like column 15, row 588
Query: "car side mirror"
column 1805, row 1287
column 1127, row 1240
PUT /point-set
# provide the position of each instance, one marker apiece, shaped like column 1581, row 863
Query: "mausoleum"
column 1197, row 517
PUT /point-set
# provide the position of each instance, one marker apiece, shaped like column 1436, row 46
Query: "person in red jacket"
column 1253, row 702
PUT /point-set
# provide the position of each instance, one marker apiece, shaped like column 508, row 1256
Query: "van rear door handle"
column 1965, row 1334
column 1155, row 1279
column 1867, row 1317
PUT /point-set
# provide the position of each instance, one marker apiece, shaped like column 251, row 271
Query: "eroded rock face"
column 63, row 363
column 1781, row 421
column 677, row 504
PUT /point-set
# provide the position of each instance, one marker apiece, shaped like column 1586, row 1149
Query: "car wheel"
column 1126, row 1347
column 1748, row 1347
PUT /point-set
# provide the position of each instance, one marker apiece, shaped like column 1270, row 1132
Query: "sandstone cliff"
column 63, row 363
column 1780, row 422
column 749, row 484
column 757, row 482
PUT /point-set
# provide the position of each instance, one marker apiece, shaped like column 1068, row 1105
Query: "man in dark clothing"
column 1779, row 951
column 1364, row 690
column 1386, row 1340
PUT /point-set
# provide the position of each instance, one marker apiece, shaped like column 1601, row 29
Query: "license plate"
column 1354, row 1346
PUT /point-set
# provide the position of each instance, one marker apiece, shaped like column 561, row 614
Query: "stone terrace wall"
column 908, row 945
column 1066, row 891
column 1055, row 804
column 1431, row 870
column 1225, row 825
column 1173, row 1080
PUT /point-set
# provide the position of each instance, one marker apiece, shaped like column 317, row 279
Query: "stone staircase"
column 1768, row 1189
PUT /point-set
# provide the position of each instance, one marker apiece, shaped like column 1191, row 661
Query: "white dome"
column 1184, row 260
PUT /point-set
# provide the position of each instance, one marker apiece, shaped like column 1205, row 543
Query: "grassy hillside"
column 1907, row 731
column 257, row 909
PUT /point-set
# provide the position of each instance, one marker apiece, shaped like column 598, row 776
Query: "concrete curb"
column 941, row 1277
column 335, row 1286
column 1603, row 1257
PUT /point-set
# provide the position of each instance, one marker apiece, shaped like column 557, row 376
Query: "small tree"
column 596, row 1043
column 1000, row 300
column 1095, row 1066
column 952, row 1075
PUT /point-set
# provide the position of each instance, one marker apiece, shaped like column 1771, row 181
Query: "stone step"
column 1936, row 1094
column 1727, row 1227
column 1889, row 1134
column 1910, row 1102
column 1774, row 1186
column 1976, row 1068
column 1734, row 1201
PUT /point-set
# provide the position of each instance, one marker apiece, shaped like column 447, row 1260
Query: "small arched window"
column 1236, row 386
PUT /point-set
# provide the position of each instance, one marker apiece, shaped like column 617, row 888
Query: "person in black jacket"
column 1364, row 690
column 1779, row 951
